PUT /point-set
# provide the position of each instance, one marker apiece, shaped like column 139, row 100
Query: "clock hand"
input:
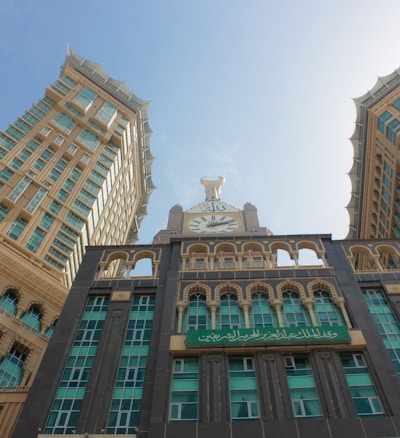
column 215, row 224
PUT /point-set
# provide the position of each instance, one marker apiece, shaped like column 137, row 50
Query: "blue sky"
column 257, row 91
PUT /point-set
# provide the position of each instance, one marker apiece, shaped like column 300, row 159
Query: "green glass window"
column 23, row 126
column 70, row 82
column 58, row 255
column 17, row 227
column 55, row 207
column 47, row 221
column 16, row 163
column 229, row 315
column 35, row 240
column 14, row 133
column 326, row 313
column 32, row 317
column 62, row 195
column 75, row 221
column 85, row 98
column 127, row 396
column 8, row 302
column 386, row 323
column 72, row 386
column 383, row 118
column 6, row 174
column 11, row 368
column 293, row 312
column 184, row 390
column 261, row 314
column 361, row 386
column 81, row 208
column 73, row 110
column 24, row 154
column 54, row 263
column 243, row 389
column 89, row 140
column 86, row 197
column 54, row 174
column 197, row 315
column 32, row 120
column 302, row 387
column 106, row 113
column 64, row 122
column 92, row 187
column 6, row 141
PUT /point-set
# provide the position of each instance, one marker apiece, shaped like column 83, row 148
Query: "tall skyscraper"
column 374, row 207
column 233, row 333
column 75, row 170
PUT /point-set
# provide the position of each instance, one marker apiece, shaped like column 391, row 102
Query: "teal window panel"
column 37, row 199
column 6, row 174
column 64, row 122
column 17, row 227
column 107, row 113
column 7, row 142
column 8, row 302
column 11, row 368
column 32, row 317
column 35, row 240
column 85, row 98
column 3, row 211
column 383, row 118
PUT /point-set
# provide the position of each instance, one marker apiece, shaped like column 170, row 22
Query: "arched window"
column 326, row 313
column 197, row 315
column 32, row 317
column 229, row 315
column 261, row 314
column 293, row 313
column 11, row 368
column 9, row 301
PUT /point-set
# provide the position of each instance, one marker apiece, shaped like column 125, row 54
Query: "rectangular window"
column 85, row 98
column 23, row 126
column 30, row 119
column 19, row 189
column 302, row 387
column 55, row 207
column 383, row 118
column 11, row 368
column 6, row 174
column 47, row 221
column 184, row 390
column 106, row 113
column 64, row 122
column 14, row 133
column 6, row 142
column 73, row 110
column 89, row 140
column 17, row 227
column 81, row 208
column 37, row 199
column 35, row 240
column 243, row 389
column 75, row 221
column 361, row 387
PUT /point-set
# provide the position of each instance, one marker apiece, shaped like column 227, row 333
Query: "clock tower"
column 212, row 216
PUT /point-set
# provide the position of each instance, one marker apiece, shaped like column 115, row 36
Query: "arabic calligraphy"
column 234, row 336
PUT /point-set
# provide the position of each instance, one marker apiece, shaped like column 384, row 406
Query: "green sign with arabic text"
column 290, row 335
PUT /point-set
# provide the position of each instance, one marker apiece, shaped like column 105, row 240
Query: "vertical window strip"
column 11, row 368
column 127, row 396
column 184, row 390
column 197, row 315
column 35, row 240
column 243, row 389
column 386, row 323
column 106, row 113
column 293, row 312
column 17, row 227
column 229, row 315
column 72, row 386
column 85, row 98
column 19, row 189
column 37, row 199
column 64, row 122
column 8, row 302
column 261, row 314
column 361, row 386
column 326, row 313
column 302, row 388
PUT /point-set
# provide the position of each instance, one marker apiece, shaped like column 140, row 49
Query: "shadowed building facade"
column 231, row 332
column 75, row 170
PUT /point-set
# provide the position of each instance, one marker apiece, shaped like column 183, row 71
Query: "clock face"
column 208, row 223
